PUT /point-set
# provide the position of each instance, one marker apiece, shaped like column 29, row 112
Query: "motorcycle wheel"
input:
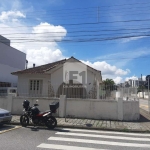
column 51, row 122
column 24, row 120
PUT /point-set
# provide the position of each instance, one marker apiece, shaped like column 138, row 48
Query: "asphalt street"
column 143, row 104
column 72, row 139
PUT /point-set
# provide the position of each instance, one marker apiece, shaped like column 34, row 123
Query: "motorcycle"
column 39, row 118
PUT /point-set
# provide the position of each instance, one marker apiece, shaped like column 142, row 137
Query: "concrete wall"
column 14, row 104
column 140, row 94
column 11, row 60
column 131, row 110
column 79, row 108
column 6, row 102
column 92, row 108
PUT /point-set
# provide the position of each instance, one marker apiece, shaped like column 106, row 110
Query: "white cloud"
column 122, row 58
column 118, row 79
column 132, row 39
column 132, row 78
column 54, row 33
column 37, row 49
column 135, row 78
column 11, row 15
column 107, row 69
column 43, row 55
column 40, row 52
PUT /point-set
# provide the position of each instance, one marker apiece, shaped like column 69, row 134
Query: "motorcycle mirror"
column 37, row 101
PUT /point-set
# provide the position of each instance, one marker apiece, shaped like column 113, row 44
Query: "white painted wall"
column 79, row 108
column 14, row 104
column 90, row 79
column 92, row 108
column 131, row 110
column 140, row 94
column 6, row 102
column 23, row 83
column 57, row 78
column 11, row 60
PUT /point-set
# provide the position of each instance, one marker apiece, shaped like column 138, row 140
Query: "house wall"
column 57, row 78
column 11, row 60
column 23, row 83
column 90, row 80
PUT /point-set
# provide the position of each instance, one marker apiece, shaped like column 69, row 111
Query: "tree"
column 108, row 86
column 109, row 82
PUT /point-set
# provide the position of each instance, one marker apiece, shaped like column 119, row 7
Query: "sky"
column 110, row 36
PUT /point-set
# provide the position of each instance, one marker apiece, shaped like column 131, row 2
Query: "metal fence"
column 129, row 93
column 101, row 91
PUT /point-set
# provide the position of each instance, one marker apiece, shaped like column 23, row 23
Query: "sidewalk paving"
column 143, row 125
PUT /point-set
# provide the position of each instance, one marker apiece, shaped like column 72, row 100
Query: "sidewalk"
column 143, row 125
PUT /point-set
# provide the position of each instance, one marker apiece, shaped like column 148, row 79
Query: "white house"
column 48, row 81
column 11, row 60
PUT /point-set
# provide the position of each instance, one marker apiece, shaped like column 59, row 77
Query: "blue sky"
column 84, row 29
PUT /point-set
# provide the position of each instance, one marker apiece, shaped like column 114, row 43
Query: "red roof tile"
column 40, row 69
column 44, row 68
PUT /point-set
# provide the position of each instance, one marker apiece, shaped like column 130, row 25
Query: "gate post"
column 120, row 108
column 62, row 106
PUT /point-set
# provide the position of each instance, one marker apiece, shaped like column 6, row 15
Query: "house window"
column 35, row 87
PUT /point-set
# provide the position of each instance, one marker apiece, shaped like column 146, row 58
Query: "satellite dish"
column 147, row 77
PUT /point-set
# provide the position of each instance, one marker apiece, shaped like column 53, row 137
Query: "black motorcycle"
column 39, row 118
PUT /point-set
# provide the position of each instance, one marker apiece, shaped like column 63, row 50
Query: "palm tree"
column 109, row 85
column 109, row 82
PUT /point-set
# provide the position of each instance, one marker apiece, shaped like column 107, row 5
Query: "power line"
column 90, row 23
column 88, row 40
column 140, row 57
column 84, row 35
column 61, row 14
column 87, row 13
column 87, row 31
column 103, row 6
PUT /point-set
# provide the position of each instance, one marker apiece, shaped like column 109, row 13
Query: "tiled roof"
column 44, row 68
column 40, row 69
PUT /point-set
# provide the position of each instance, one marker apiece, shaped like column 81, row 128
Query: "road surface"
column 143, row 104
column 72, row 139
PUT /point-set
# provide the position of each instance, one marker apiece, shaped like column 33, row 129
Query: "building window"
column 35, row 87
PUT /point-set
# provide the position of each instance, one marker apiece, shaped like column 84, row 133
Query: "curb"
column 93, row 128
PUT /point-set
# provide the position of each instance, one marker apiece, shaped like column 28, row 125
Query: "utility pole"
column 142, row 84
column 148, row 96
